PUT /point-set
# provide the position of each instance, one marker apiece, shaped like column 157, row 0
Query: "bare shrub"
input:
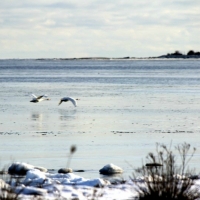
column 164, row 178
column 8, row 186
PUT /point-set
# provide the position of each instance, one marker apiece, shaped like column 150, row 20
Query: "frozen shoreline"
column 45, row 185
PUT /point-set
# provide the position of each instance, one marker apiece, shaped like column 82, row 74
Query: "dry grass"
column 164, row 178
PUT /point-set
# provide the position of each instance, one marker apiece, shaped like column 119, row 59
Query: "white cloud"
column 97, row 28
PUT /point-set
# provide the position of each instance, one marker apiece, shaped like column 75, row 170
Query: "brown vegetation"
column 167, row 181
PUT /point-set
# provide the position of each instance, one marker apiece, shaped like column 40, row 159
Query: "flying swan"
column 36, row 99
column 65, row 99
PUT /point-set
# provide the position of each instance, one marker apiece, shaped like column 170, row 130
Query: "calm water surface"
column 125, row 107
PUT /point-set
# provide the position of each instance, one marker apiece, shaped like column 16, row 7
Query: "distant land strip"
column 175, row 55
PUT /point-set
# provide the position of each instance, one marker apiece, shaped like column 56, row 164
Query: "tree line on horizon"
column 190, row 53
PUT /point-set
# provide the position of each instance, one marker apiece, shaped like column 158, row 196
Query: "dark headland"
column 178, row 54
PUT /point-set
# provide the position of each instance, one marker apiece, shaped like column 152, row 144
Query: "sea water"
column 125, row 108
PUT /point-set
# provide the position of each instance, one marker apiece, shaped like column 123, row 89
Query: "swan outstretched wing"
column 60, row 102
column 35, row 97
column 73, row 101
column 39, row 97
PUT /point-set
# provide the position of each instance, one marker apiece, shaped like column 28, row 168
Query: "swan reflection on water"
column 35, row 116
column 38, row 118
column 66, row 115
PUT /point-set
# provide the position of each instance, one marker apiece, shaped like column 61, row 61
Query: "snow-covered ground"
column 67, row 186
column 71, row 186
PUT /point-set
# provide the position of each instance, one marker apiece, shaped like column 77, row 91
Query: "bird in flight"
column 36, row 99
column 65, row 99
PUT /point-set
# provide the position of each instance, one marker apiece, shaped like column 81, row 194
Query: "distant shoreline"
column 176, row 55
column 126, row 58
column 163, row 57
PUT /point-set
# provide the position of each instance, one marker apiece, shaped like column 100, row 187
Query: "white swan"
column 36, row 99
column 65, row 99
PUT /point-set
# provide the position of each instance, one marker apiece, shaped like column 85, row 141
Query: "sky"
column 104, row 28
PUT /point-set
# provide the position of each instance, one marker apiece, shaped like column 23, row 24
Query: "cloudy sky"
column 112, row 28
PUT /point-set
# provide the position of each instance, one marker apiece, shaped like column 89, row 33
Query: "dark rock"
column 65, row 170
column 18, row 168
column 80, row 170
column 194, row 177
column 153, row 165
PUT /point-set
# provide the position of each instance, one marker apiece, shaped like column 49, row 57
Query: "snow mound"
column 110, row 169
column 18, row 168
